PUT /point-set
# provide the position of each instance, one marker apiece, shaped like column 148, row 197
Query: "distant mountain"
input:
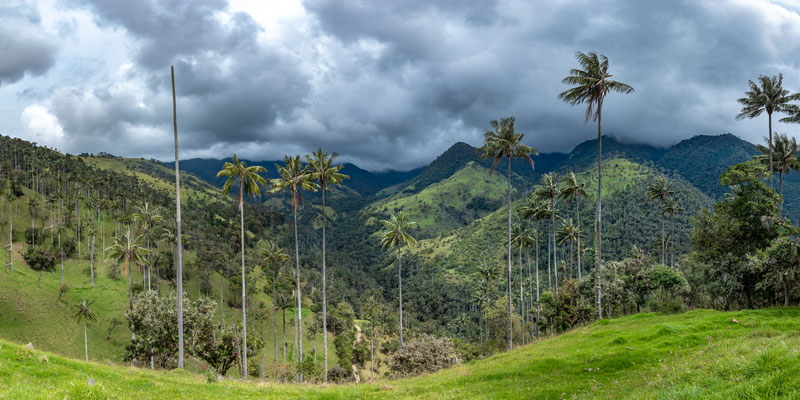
column 584, row 154
column 703, row 158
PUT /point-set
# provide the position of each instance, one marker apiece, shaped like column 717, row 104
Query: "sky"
column 386, row 84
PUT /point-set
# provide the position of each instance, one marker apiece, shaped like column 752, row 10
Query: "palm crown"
column 767, row 96
column 322, row 170
column 504, row 141
column 591, row 84
column 396, row 233
column 247, row 177
column 84, row 311
column 295, row 177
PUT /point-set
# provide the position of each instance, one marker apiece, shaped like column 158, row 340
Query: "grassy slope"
column 701, row 354
column 442, row 206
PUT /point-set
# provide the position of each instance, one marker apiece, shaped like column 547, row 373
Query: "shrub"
column 40, row 259
column 423, row 355
column 32, row 233
column 344, row 349
column 338, row 374
column 114, row 272
column 69, row 246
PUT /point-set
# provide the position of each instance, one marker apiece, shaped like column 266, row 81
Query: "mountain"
column 703, row 158
column 584, row 155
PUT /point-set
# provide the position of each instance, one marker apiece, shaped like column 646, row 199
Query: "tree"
column 591, row 85
column 396, row 235
column 148, row 217
column 767, row 96
column 549, row 190
column 83, row 314
column 248, row 179
column 91, row 230
column 124, row 250
column 568, row 233
column 784, row 154
column 661, row 189
column 573, row 189
column 671, row 207
column 324, row 172
column 504, row 141
column 295, row 178
column 179, row 244
column 370, row 310
column 274, row 257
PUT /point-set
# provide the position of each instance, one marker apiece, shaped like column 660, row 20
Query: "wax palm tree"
column 324, row 172
column 178, row 239
column 568, row 233
column 295, row 178
column 521, row 239
column 536, row 209
column 573, row 189
column 283, row 301
column 9, row 192
column 148, row 218
column 550, row 191
column 395, row 236
column 784, row 155
column 125, row 250
column 274, row 257
column 767, row 96
column 61, row 228
column 91, row 231
column 661, row 189
column 248, row 179
column 370, row 310
column 487, row 274
column 671, row 207
column 504, row 141
column 591, row 85
column 83, row 314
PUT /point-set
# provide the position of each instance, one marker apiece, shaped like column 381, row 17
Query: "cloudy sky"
column 387, row 84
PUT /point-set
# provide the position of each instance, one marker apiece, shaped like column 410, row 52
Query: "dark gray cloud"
column 392, row 84
column 26, row 50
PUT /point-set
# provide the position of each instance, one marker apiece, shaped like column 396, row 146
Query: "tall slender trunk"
column 244, row 303
column 324, row 298
column 400, row 286
column 10, row 237
column 769, row 117
column 663, row 239
column 578, row 222
column 508, row 283
column 780, row 185
column 274, row 322
column 555, row 246
column 91, row 260
column 538, row 306
column 284, row 345
column 371, row 348
column 521, row 300
column 598, row 217
column 297, row 277
column 85, row 341
column 261, row 321
column 179, row 246
column 530, row 287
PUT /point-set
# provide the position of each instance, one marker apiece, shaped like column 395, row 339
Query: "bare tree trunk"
column 274, row 322
column 179, row 245
column 324, row 298
column 771, row 184
column 598, row 218
column 244, row 300
column 299, row 306
column 85, row 341
column 400, row 286
column 578, row 222
column 508, row 284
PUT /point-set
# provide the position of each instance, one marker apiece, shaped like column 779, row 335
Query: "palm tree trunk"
column 663, row 240
column 598, row 218
column 324, row 298
column 10, row 237
column 578, row 222
column 85, row 341
column 179, row 246
column 261, row 321
column 769, row 117
column 284, row 345
column 400, row 286
column 91, row 260
column 555, row 246
column 372, row 348
column 274, row 322
column 508, row 284
column 297, row 276
column 780, row 185
column 538, row 308
column 521, row 300
column 244, row 303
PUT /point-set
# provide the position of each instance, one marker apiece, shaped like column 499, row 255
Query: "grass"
column 701, row 354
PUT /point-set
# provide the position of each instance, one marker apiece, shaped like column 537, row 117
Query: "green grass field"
column 700, row 354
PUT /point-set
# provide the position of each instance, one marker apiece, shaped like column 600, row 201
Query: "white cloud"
column 42, row 127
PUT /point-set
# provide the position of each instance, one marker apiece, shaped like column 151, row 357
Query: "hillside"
column 627, row 220
column 700, row 354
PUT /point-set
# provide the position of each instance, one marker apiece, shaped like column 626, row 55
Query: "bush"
column 344, row 349
column 40, row 259
column 338, row 374
column 68, row 245
column 32, row 233
column 424, row 355
column 668, row 306
column 114, row 272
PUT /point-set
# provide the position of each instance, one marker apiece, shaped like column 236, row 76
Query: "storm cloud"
column 26, row 50
column 393, row 84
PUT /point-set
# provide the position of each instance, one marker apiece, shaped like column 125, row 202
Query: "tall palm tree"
column 370, row 310
column 573, row 189
column 767, row 96
column 784, row 154
column 283, row 301
column 91, row 231
column 504, row 141
column 661, row 189
column 294, row 178
column 11, row 198
column 82, row 314
column 274, row 257
column 148, row 217
column 248, row 179
column 568, row 233
column 488, row 274
column 590, row 85
column 178, row 240
column 671, row 207
column 125, row 250
column 396, row 235
column 324, row 172
column 522, row 239
column 549, row 190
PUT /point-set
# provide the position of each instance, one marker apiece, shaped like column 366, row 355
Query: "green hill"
column 700, row 354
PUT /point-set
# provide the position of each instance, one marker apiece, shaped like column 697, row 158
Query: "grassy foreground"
column 700, row 354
